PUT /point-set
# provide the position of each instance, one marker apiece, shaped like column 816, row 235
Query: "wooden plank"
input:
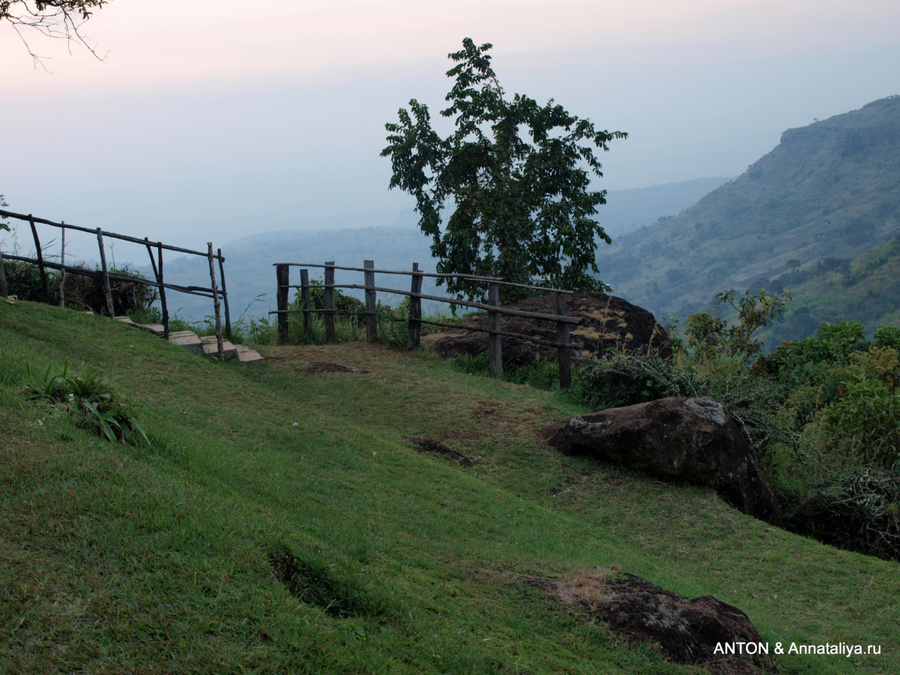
column 434, row 275
column 122, row 237
column 574, row 321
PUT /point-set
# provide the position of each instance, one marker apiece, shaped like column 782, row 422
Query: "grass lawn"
column 282, row 521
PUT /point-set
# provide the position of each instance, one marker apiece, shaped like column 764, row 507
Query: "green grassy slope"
column 171, row 558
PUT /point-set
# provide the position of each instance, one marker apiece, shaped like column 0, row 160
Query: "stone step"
column 187, row 339
column 201, row 345
column 211, row 348
column 155, row 328
column 247, row 355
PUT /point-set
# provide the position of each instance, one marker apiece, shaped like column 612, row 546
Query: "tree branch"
column 57, row 19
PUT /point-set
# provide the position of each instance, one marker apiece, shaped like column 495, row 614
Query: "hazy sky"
column 211, row 117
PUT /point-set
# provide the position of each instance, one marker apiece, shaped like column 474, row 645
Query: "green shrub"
column 887, row 336
column 753, row 401
column 708, row 336
column 861, row 422
column 80, row 291
column 24, row 280
column 349, row 319
column 541, row 375
column 858, row 512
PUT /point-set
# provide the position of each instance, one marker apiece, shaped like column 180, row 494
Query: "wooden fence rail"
column 493, row 308
column 155, row 251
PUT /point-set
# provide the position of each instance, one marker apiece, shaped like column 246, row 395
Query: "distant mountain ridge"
column 828, row 190
column 396, row 244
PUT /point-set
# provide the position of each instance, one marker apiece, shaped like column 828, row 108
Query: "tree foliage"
column 708, row 335
column 50, row 18
column 516, row 175
column 4, row 222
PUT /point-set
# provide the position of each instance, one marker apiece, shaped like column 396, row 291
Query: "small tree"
column 709, row 335
column 522, row 207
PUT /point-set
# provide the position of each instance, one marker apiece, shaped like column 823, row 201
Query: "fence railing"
column 154, row 249
column 493, row 308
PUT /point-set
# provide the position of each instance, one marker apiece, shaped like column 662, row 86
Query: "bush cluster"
column 821, row 414
column 80, row 290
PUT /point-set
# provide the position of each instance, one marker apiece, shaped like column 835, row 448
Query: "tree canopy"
column 51, row 18
column 517, row 176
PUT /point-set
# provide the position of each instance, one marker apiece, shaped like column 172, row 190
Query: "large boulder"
column 703, row 631
column 607, row 322
column 690, row 439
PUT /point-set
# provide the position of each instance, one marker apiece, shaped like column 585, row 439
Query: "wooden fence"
column 104, row 273
column 492, row 307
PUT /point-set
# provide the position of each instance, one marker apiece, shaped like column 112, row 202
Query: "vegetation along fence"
column 154, row 249
column 492, row 307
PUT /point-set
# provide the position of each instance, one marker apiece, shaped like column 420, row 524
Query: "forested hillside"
column 825, row 195
column 865, row 289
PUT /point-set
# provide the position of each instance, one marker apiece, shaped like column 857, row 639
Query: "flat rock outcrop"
column 607, row 322
column 689, row 439
column 702, row 631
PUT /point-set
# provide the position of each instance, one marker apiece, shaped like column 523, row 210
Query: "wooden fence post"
column 494, row 340
column 307, row 304
column 158, row 273
column 212, row 276
column 62, row 260
column 415, row 308
column 564, row 356
column 162, row 292
column 4, row 289
column 45, row 290
column 107, row 289
column 329, row 301
column 371, row 303
column 224, row 294
column 282, row 273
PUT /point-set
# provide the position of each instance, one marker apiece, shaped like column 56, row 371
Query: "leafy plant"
column 393, row 324
column 91, row 400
